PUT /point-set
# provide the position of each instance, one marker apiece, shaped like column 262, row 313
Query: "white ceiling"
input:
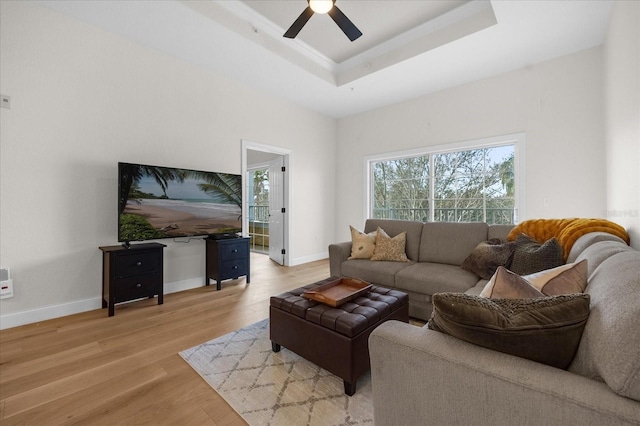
column 379, row 20
column 409, row 48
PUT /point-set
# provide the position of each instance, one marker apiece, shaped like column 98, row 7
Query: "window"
column 476, row 181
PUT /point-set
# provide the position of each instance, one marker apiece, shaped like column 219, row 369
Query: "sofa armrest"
column 338, row 253
column 421, row 376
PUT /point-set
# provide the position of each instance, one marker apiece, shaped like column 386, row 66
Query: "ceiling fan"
column 328, row 7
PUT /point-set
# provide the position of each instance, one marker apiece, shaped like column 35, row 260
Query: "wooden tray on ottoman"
column 337, row 292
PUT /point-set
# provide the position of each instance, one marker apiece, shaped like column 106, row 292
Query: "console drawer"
column 137, row 287
column 137, row 262
column 233, row 251
column 233, row 268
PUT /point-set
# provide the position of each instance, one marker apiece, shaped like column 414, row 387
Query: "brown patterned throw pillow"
column 362, row 245
column 388, row 248
column 529, row 256
column 487, row 256
column 545, row 329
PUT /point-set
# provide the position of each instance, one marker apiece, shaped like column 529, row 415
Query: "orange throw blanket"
column 566, row 231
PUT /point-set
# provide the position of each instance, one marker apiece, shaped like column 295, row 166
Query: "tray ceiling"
column 408, row 48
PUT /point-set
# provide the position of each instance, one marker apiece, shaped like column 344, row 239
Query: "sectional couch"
column 436, row 251
column 422, row 376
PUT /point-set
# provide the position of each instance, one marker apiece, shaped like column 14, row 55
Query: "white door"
column 277, row 211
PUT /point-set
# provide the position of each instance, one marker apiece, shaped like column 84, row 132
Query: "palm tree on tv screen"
column 222, row 188
column 130, row 175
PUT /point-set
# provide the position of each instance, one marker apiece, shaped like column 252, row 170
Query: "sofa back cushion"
column 586, row 240
column 499, row 231
column 450, row 242
column 394, row 227
column 599, row 252
column 610, row 346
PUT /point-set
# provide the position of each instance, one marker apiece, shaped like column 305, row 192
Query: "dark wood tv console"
column 130, row 273
column 226, row 259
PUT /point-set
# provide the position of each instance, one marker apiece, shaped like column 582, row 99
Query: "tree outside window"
column 475, row 185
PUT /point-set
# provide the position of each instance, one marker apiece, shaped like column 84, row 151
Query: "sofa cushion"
column 394, row 227
column 382, row 272
column 610, row 347
column 477, row 289
column 388, row 248
column 565, row 279
column 530, row 256
column 599, row 252
column 450, row 242
column 546, row 329
column 588, row 239
column 362, row 245
column 504, row 284
column 499, row 231
column 430, row 278
column 487, row 256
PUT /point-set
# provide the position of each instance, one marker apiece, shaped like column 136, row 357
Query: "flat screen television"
column 165, row 202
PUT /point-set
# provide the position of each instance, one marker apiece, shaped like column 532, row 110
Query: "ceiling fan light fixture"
column 328, row 7
column 321, row 6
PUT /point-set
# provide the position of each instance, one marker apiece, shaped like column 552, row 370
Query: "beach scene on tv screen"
column 160, row 202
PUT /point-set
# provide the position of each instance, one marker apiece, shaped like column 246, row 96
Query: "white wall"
column 622, row 118
column 82, row 100
column 558, row 104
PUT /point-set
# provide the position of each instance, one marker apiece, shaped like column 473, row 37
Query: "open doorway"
column 266, row 203
column 258, row 207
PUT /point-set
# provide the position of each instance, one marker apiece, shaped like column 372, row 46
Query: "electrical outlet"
column 6, row 289
column 5, row 101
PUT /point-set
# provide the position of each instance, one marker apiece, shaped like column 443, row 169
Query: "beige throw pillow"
column 565, row 279
column 388, row 248
column 487, row 256
column 504, row 284
column 362, row 245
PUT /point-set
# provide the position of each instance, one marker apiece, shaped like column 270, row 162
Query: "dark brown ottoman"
column 335, row 339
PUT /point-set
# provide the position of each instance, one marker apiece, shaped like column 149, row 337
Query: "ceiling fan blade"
column 293, row 31
column 344, row 23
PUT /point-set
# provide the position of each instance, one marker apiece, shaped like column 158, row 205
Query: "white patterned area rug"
column 277, row 388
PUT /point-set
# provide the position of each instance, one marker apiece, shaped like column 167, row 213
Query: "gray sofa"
column 435, row 250
column 424, row 377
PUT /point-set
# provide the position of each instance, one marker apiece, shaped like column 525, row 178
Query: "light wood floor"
column 92, row 369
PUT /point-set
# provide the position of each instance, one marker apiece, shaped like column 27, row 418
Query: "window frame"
column 516, row 139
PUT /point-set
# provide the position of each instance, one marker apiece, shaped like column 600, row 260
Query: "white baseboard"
column 183, row 285
column 76, row 307
column 49, row 312
column 307, row 259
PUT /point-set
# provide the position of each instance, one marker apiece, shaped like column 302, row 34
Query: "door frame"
column 286, row 154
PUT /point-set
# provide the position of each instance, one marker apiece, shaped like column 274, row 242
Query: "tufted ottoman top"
column 350, row 318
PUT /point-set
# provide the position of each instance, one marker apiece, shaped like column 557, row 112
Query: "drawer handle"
column 234, row 251
column 138, row 263
column 138, row 285
column 235, row 267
